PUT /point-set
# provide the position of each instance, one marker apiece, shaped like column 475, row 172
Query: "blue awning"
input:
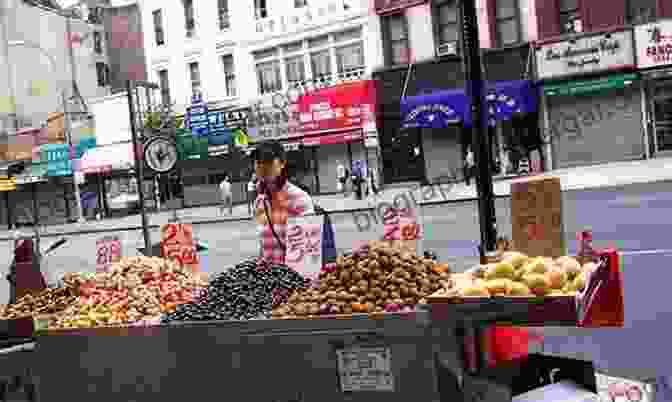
column 443, row 108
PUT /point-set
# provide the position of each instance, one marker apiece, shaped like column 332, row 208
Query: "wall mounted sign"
column 57, row 157
column 384, row 7
column 301, row 19
column 586, row 55
column 654, row 44
column 341, row 107
column 197, row 117
column 274, row 117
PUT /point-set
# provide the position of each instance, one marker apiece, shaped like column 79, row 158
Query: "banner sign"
column 57, row 157
column 654, row 44
column 177, row 243
column 108, row 251
column 341, row 107
column 197, row 117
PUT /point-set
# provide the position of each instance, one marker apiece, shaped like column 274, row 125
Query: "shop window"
column 641, row 11
column 320, row 41
column 229, row 75
column 447, row 27
column 260, row 9
column 164, row 86
column 662, row 113
column 349, row 35
column 268, row 75
column 397, row 41
column 296, row 69
column 350, row 58
column 321, row 64
column 195, row 78
column 265, row 54
column 158, row 28
column 223, row 13
column 508, row 22
column 570, row 17
column 189, row 19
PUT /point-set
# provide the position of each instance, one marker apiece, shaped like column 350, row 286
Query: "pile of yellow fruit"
column 519, row 275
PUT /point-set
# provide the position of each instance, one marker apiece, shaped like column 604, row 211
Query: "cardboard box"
column 536, row 216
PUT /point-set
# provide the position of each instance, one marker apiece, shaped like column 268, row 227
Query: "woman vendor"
column 277, row 200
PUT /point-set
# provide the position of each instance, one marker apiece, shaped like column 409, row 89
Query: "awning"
column 443, row 108
column 338, row 138
column 107, row 158
column 35, row 173
column 582, row 87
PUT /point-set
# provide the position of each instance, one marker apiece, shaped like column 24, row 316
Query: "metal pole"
column 138, row 168
column 480, row 137
column 5, row 7
column 68, row 138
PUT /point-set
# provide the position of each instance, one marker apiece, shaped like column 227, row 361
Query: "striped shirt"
column 290, row 202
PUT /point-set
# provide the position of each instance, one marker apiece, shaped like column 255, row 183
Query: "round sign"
column 161, row 154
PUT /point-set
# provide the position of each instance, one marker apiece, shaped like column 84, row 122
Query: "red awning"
column 338, row 138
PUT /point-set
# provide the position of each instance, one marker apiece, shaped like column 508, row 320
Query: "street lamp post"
column 5, row 7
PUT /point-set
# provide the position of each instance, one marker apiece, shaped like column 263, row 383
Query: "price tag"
column 108, row 251
column 177, row 243
column 365, row 369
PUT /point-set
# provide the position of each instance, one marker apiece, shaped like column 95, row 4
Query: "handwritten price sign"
column 177, row 244
column 108, row 251
column 400, row 224
column 304, row 246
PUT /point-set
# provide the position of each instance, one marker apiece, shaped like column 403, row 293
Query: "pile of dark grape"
column 250, row 290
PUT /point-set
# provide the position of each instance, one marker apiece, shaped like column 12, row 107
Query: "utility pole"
column 6, row 8
column 480, row 136
column 68, row 137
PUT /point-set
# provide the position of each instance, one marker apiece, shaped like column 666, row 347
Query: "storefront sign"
column 108, row 251
column 341, row 107
column 57, row 157
column 190, row 147
column 274, row 117
column 218, row 150
column 390, row 6
column 300, row 19
column 586, row 55
column 197, row 116
column 177, row 244
column 654, row 44
column 580, row 87
column 339, row 138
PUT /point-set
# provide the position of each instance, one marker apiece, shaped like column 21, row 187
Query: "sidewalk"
column 607, row 175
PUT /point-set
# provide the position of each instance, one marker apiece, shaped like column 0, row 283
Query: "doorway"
column 403, row 156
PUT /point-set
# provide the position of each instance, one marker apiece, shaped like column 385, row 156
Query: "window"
column 164, row 86
column 268, row 75
column 350, row 34
column 292, row 47
column 229, row 75
column 641, row 11
column 570, row 18
column 260, row 10
column 223, row 12
column 321, row 64
column 300, row 3
column 320, row 41
column 398, row 51
column 97, row 42
column 158, row 28
column 195, row 77
column 101, row 74
column 296, row 69
column 189, row 20
column 447, row 27
column 508, row 25
column 350, row 58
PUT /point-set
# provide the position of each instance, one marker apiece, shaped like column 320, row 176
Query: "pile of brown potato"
column 377, row 278
column 517, row 274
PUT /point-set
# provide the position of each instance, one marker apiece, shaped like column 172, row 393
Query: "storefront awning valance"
column 443, row 108
column 107, row 158
column 582, row 87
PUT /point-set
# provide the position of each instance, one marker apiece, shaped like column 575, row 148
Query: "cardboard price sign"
column 177, row 244
column 304, row 245
column 401, row 226
column 536, row 216
column 108, row 251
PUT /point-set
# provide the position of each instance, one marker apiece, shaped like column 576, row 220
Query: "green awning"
column 581, row 87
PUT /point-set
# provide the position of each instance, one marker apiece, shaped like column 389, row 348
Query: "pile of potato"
column 48, row 301
column 519, row 275
column 376, row 278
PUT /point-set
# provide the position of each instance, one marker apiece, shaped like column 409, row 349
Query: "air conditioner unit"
column 447, row 49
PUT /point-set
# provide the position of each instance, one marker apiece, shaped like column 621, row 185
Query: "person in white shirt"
column 251, row 192
column 227, row 198
column 469, row 166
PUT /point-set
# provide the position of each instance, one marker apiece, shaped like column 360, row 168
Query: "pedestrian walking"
column 342, row 177
column 357, row 179
column 227, row 199
column 373, row 181
column 469, row 166
column 251, row 192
